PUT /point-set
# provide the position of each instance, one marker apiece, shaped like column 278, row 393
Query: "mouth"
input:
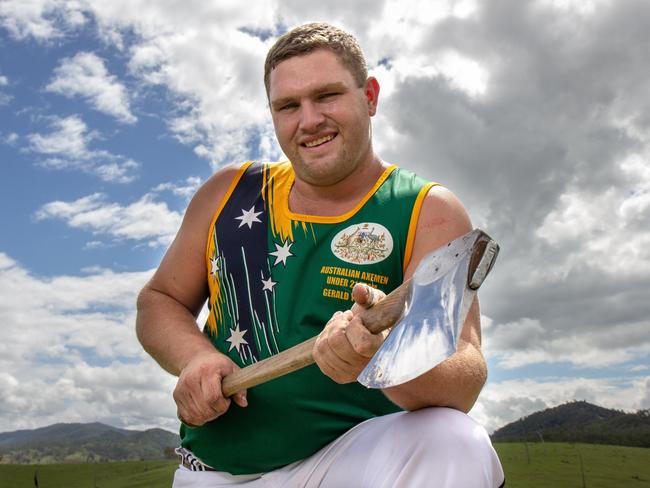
column 318, row 142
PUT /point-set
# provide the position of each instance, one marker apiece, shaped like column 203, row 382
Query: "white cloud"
column 525, row 342
column 220, row 104
column 466, row 73
column 9, row 139
column 71, row 353
column 581, row 7
column 4, row 97
column 608, row 229
column 40, row 19
column 70, row 136
column 67, row 148
column 184, row 189
column 85, row 74
column 219, row 111
column 144, row 220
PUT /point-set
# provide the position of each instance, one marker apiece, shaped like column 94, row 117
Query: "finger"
column 363, row 342
column 333, row 341
column 187, row 410
column 213, row 403
column 183, row 421
column 338, row 317
column 181, row 413
column 340, row 349
column 331, row 366
column 327, row 360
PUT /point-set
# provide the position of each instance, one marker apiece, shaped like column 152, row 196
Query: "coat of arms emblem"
column 365, row 243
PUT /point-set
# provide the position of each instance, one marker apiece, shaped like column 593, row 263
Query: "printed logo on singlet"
column 365, row 243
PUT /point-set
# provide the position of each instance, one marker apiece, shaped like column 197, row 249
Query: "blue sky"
column 34, row 110
column 112, row 114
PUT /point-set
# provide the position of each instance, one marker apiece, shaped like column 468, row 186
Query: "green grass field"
column 533, row 465
column 131, row 474
column 551, row 464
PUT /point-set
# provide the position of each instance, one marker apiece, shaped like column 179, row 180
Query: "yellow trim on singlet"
column 285, row 178
column 413, row 224
column 240, row 172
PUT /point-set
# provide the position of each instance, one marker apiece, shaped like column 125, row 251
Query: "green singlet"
column 275, row 279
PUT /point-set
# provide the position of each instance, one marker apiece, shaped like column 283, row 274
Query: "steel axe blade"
column 441, row 292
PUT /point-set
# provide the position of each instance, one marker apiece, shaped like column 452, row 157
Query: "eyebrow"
column 279, row 102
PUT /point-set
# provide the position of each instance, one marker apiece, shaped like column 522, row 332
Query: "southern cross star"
column 236, row 338
column 215, row 265
column 248, row 217
column 268, row 284
column 282, row 252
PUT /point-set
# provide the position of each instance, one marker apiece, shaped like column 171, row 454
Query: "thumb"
column 240, row 398
column 365, row 295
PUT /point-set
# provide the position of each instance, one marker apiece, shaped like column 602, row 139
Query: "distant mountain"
column 60, row 443
column 580, row 421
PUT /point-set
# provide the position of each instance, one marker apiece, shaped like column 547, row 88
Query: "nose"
column 311, row 116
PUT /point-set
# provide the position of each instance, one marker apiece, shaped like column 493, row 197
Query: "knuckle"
column 216, row 399
column 338, row 339
column 320, row 346
column 365, row 345
column 176, row 395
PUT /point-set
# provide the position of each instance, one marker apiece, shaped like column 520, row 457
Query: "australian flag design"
column 243, row 321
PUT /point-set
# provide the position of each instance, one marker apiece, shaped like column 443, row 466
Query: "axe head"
column 441, row 291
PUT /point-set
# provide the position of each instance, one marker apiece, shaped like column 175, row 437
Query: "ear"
column 371, row 91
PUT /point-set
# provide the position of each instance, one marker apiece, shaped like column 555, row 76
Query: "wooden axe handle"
column 376, row 318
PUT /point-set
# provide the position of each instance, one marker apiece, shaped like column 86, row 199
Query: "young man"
column 288, row 246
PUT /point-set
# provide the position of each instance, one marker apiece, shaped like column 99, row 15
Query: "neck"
column 337, row 198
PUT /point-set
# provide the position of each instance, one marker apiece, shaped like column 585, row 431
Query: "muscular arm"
column 345, row 346
column 170, row 302
column 457, row 381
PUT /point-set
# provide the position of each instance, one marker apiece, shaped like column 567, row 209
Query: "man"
column 289, row 246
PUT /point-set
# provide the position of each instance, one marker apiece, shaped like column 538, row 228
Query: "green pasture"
column 558, row 464
column 122, row 474
column 531, row 465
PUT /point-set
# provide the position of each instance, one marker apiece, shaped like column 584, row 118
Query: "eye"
column 286, row 107
column 327, row 95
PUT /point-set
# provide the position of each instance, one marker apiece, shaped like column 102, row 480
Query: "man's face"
column 321, row 116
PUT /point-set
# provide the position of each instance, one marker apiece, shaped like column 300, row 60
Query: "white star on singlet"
column 236, row 338
column 248, row 217
column 282, row 252
column 268, row 284
column 215, row 265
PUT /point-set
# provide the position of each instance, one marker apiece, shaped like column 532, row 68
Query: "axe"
column 426, row 313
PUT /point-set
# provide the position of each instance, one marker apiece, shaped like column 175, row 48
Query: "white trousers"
column 433, row 447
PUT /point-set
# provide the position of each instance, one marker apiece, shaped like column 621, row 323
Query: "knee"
column 443, row 432
column 449, row 446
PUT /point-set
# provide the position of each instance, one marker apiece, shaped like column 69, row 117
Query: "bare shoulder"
column 209, row 196
column 442, row 218
column 182, row 272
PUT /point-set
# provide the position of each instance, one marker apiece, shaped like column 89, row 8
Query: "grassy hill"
column 580, row 422
column 60, row 443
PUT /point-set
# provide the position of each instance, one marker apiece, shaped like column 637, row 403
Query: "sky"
column 536, row 114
